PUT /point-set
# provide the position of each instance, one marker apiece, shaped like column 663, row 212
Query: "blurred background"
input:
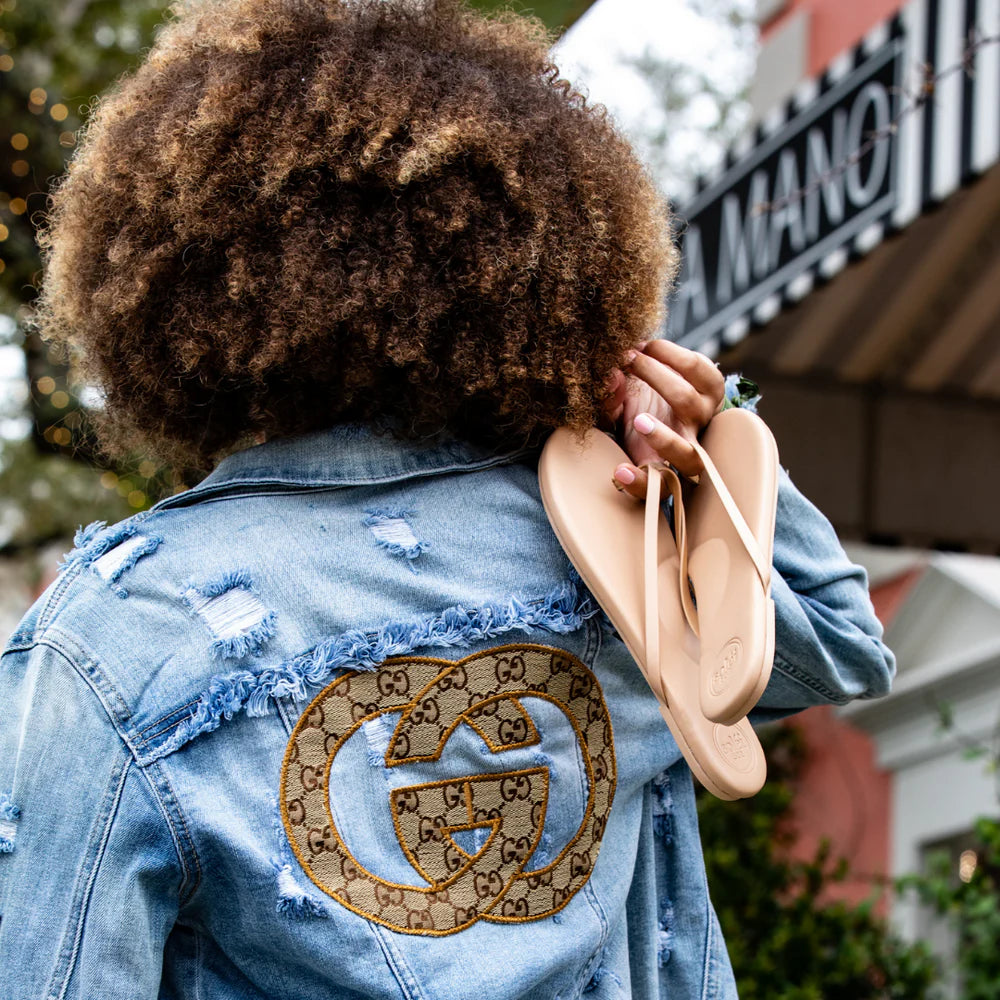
column 833, row 166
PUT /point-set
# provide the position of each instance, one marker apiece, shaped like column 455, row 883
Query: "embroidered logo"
column 434, row 697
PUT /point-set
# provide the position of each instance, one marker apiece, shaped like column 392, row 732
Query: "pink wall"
column 843, row 795
column 845, row 798
column 835, row 25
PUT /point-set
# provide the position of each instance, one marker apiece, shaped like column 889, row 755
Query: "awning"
column 868, row 307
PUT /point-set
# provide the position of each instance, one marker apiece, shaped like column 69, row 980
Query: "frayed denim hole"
column 117, row 561
column 85, row 535
column 9, row 815
column 8, row 832
column 230, row 614
column 563, row 610
column 228, row 580
column 599, row 976
column 392, row 531
column 665, row 934
column 663, row 808
column 293, row 900
column 91, row 542
column 378, row 734
column 234, row 614
column 663, row 827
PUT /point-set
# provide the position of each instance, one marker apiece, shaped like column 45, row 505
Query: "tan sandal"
column 630, row 561
column 730, row 538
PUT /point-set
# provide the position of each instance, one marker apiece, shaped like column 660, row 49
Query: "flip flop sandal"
column 629, row 560
column 730, row 536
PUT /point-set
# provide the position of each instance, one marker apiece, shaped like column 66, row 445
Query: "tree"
column 557, row 14
column 968, row 900
column 53, row 62
column 52, row 65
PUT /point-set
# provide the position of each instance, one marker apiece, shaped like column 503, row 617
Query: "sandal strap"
column 762, row 565
column 656, row 473
column 651, row 536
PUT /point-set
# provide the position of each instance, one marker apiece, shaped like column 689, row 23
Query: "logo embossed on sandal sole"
column 734, row 746
column 732, row 652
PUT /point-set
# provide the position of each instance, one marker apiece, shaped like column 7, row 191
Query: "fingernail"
column 643, row 423
column 630, row 357
column 624, row 475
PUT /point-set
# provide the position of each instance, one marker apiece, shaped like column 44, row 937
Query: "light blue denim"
column 150, row 694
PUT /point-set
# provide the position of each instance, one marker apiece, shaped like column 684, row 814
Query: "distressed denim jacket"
column 340, row 722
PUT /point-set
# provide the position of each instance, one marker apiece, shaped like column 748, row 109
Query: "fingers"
column 696, row 367
column 672, row 394
column 687, row 380
column 668, row 444
column 628, row 479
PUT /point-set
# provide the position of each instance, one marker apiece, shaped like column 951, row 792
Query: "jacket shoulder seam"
column 86, row 878
column 102, row 690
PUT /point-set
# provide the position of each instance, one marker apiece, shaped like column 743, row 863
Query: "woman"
column 338, row 721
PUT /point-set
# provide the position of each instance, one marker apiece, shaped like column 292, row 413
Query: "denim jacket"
column 340, row 722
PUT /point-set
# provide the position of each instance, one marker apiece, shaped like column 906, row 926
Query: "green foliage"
column 54, row 60
column 65, row 54
column 557, row 14
column 785, row 940
column 971, row 908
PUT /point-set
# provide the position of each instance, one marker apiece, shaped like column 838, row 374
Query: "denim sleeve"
column 828, row 642
column 89, row 875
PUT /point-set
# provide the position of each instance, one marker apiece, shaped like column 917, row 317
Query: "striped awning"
column 891, row 128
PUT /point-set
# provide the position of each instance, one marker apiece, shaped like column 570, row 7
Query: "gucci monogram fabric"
column 434, row 697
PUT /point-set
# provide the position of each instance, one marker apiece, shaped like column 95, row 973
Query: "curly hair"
column 297, row 213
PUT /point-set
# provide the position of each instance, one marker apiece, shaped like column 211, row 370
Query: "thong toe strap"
column 656, row 472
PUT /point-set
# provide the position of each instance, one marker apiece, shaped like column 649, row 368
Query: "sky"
column 592, row 50
column 13, row 387
column 594, row 55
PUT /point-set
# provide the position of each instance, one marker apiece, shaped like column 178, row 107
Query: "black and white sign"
column 797, row 197
column 814, row 186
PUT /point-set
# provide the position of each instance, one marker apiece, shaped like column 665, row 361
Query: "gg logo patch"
column 434, row 697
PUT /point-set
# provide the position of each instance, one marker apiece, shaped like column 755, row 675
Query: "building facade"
column 846, row 256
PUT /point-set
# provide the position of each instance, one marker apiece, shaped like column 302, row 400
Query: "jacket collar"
column 345, row 455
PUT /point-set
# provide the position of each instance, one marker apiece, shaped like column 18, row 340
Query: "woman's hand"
column 667, row 396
